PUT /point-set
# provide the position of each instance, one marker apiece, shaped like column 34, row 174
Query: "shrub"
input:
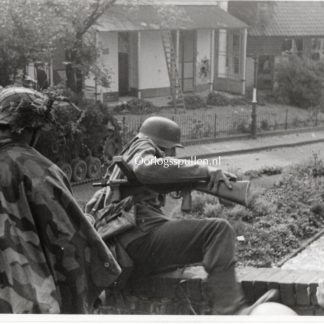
column 299, row 82
column 253, row 174
column 242, row 126
column 136, row 106
column 194, row 102
column 264, row 125
column 218, row 99
column 79, row 132
column 200, row 129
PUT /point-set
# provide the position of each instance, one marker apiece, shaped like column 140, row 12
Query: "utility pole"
column 254, row 99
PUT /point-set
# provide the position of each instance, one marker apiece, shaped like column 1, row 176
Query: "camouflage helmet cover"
column 22, row 108
column 162, row 131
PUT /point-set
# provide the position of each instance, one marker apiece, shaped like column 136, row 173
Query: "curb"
column 254, row 149
column 300, row 249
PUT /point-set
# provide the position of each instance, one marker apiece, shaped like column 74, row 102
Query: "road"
column 279, row 157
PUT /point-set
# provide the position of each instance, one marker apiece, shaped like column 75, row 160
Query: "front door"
column 187, row 54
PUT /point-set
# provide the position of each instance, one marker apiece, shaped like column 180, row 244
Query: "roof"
column 169, row 2
column 294, row 18
column 126, row 18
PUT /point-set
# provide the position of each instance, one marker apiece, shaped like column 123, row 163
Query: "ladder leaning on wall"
column 170, row 58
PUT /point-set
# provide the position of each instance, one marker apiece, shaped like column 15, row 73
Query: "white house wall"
column 152, row 66
column 107, row 61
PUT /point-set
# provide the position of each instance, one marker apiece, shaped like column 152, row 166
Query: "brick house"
column 277, row 30
column 210, row 47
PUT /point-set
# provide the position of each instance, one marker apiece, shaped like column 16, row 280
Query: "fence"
column 206, row 125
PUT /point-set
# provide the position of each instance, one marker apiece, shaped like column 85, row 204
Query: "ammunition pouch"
column 115, row 218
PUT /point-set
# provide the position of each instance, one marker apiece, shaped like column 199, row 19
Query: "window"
column 317, row 49
column 293, row 46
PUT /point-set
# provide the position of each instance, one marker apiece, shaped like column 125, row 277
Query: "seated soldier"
column 157, row 242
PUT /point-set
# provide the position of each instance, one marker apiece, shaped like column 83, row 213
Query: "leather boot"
column 224, row 292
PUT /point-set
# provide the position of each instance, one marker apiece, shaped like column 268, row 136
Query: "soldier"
column 158, row 243
column 112, row 142
column 51, row 258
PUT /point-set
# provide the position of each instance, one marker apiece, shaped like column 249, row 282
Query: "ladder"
column 170, row 58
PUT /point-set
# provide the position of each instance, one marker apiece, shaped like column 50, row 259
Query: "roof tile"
column 294, row 18
column 122, row 18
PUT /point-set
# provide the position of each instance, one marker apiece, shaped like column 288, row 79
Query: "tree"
column 30, row 30
column 79, row 42
column 254, row 13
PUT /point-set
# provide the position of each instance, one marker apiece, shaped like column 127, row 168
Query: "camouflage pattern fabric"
column 51, row 258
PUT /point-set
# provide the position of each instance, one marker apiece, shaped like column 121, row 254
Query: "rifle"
column 122, row 188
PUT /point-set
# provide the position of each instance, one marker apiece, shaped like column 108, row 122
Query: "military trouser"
column 182, row 242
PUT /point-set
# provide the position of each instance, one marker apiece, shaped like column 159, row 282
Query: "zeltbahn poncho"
column 51, row 258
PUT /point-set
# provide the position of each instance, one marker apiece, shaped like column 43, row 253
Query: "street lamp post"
column 254, row 99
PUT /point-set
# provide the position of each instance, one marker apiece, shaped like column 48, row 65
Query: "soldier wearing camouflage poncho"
column 51, row 258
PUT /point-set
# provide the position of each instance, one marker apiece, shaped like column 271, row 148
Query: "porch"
column 209, row 46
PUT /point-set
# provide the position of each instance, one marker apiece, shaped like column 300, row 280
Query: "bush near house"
column 79, row 135
column 219, row 99
column 135, row 106
column 279, row 219
column 300, row 82
column 194, row 102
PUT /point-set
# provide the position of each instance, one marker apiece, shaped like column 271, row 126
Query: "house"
column 277, row 30
column 209, row 45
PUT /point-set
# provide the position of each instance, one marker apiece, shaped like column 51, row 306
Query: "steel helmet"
column 22, row 108
column 273, row 309
column 162, row 131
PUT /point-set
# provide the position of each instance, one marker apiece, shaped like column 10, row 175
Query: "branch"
column 94, row 16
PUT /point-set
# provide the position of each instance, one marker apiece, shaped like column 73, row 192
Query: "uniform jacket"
column 150, row 165
column 51, row 258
